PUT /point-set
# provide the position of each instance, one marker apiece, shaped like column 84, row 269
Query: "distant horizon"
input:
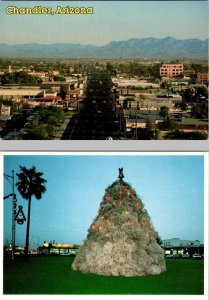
column 149, row 48
column 112, row 41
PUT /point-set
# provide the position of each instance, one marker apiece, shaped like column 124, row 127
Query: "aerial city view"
column 103, row 80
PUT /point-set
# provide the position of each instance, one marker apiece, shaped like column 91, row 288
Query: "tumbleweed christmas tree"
column 121, row 239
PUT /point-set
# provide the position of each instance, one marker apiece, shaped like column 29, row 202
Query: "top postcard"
column 104, row 70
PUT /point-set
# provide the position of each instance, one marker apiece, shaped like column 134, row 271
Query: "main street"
column 96, row 119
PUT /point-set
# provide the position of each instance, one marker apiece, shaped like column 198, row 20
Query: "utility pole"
column 13, row 225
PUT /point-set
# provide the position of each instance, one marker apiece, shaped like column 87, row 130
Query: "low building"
column 169, row 96
column 49, row 94
column 134, row 120
column 202, row 78
column 134, row 83
column 43, row 101
column 18, row 93
column 57, row 248
column 178, row 246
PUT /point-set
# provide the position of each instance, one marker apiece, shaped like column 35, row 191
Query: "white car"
column 196, row 256
column 185, row 256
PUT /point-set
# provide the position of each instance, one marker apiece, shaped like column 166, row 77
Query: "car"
column 185, row 256
column 177, row 256
column 67, row 254
column 197, row 256
column 169, row 256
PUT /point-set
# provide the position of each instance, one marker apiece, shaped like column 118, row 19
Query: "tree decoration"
column 121, row 239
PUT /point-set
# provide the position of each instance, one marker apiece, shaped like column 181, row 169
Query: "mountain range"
column 150, row 48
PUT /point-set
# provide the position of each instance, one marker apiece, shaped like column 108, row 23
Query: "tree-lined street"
column 96, row 118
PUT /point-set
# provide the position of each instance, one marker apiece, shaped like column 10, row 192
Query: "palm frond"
column 30, row 183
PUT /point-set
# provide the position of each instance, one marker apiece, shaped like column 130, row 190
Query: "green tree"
column 12, row 104
column 164, row 112
column 181, row 135
column 200, row 110
column 109, row 67
column 36, row 131
column 182, row 105
column 30, row 183
column 165, row 85
column 188, row 96
column 201, row 92
column 63, row 91
column 200, row 68
column 18, row 77
column 147, row 133
column 59, row 78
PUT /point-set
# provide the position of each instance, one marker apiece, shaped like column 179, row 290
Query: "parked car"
column 169, row 256
column 197, row 256
column 68, row 254
column 177, row 256
column 185, row 256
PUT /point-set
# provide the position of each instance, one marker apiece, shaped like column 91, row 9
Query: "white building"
column 125, row 83
column 176, row 242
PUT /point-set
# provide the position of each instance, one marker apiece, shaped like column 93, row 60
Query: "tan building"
column 203, row 78
column 43, row 101
column 17, row 94
column 171, row 70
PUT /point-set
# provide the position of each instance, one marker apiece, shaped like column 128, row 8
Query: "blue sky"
column 171, row 188
column 112, row 20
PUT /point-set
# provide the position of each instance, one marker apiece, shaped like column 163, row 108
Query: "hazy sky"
column 112, row 20
column 171, row 188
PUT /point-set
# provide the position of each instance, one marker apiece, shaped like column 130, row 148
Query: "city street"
column 96, row 119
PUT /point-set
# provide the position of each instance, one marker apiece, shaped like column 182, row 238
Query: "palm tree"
column 30, row 183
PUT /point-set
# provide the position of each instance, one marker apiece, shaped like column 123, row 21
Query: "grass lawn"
column 53, row 275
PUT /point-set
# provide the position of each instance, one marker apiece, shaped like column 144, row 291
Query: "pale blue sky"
column 112, row 20
column 171, row 188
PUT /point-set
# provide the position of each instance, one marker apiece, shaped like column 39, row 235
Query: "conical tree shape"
column 121, row 239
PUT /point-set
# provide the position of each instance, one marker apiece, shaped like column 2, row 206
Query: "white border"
column 90, row 297
column 107, row 153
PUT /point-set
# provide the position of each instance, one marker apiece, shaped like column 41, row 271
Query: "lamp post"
column 14, row 205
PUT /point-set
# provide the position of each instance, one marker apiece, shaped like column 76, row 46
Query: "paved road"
column 93, row 125
column 96, row 119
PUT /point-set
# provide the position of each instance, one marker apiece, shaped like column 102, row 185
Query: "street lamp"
column 16, row 216
column 13, row 209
